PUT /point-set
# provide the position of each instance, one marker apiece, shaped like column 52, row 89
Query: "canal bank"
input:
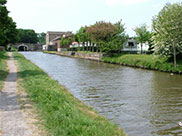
column 150, row 62
column 62, row 114
column 82, row 55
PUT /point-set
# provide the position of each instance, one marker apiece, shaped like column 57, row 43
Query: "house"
column 53, row 39
column 133, row 46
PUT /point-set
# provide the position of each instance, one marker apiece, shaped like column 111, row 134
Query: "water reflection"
column 142, row 102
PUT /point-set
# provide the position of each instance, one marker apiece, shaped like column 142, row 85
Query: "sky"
column 70, row 15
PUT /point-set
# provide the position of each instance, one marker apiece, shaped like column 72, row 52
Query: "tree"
column 8, row 32
column 27, row 36
column 69, row 41
column 81, row 35
column 167, row 27
column 65, row 42
column 101, row 31
column 42, row 38
column 142, row 35
column 110, row 37
column 62, row 41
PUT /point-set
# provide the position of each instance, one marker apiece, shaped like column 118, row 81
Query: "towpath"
column 12, row 121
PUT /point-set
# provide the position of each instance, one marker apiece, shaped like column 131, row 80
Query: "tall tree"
column 8, row 32
column 27, row 36
column 81, row 35
column 101, row 31
column 110, row 36
column 167, row 27
column 42, row 38
column 142, row 35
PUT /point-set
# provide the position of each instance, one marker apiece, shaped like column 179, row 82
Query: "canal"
column 142, row 102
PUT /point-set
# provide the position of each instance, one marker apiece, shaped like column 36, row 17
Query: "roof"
column 57, row 32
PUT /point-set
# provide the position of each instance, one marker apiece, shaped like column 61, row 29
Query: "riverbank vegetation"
column 3, row 67
column 164, row 40
column 152, row 62
column 62, row 114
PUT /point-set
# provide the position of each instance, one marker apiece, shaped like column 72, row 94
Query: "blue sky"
column 70, row 15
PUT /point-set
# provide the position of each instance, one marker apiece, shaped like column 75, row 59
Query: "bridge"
column 28, row 47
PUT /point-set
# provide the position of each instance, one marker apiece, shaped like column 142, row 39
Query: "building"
column 53, row 39
column 133, row 46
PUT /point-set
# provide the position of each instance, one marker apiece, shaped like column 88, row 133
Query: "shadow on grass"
column 3, row 74
column 3, row 56
column 28, row 73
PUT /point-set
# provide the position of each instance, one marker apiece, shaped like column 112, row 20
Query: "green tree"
column 142, row 35
column 167, row 27
column 42, row 38
column 81, row 35
column 110, row 37
column 101, row 31
column 27, row 36
column 69, row 41
column 8, row 32
column 62, row 42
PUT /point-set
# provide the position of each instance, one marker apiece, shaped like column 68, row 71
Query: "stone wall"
column 90, row 56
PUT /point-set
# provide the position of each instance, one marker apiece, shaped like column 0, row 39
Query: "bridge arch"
column 22, row 47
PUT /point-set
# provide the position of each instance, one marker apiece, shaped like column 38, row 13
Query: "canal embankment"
column 144, row 61
column 3, row 67
column 61, row 113
column 79, row 54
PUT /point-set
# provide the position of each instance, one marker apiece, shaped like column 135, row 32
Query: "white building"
column 132, row 46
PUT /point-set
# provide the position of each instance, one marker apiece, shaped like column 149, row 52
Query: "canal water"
column 142, row 102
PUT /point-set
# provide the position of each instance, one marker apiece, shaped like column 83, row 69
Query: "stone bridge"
column 28, row 47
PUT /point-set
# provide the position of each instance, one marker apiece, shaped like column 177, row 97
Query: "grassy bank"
column 3, row 67
column 144, row 61
column 62, row 114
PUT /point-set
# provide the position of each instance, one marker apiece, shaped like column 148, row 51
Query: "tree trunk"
column 141, row 48
column 174, row 53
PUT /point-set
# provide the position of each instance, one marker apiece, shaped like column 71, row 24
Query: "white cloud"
column 123, row 2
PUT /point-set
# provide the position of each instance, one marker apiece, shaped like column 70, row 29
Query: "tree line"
column 9, row 34
column 165, row 38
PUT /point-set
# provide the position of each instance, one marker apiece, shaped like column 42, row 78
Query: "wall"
column 90, row 56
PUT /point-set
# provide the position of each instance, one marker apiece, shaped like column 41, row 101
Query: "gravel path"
column 12, row 121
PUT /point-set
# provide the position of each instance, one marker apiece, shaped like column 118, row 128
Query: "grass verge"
column 151, row 62
column 3, row 67
column 62, row 114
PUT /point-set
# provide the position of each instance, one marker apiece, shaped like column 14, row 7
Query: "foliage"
column 8, row 32
column 152, row 62
column 101, row 31
column 110, row 37
column 81, row 35
column 27, row 36
column 42, row 38
column 65, row 42
column 60, row 112
column 167, row 27
column 142, row 34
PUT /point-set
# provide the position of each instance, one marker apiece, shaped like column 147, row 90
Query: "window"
column 130, row 44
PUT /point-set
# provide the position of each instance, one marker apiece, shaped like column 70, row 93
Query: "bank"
column 60, row 112
column 3, row 67
column 144, row 61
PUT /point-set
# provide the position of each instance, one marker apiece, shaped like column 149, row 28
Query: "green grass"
column 50, row 52
column 144, row 61
column 3, row 67
column 62, row 114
